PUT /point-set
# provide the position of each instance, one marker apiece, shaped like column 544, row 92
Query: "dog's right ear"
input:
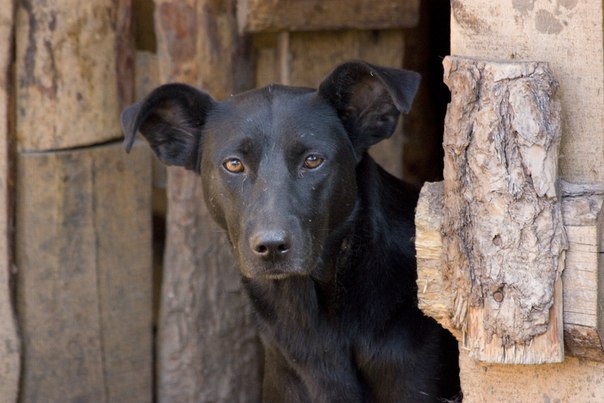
column 171, row 118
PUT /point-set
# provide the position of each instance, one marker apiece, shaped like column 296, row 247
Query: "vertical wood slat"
column 9, row 341
column 208, row 345
column 74, row 72
column 83, row 291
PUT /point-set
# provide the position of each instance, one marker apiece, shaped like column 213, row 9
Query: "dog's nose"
column 270, row 244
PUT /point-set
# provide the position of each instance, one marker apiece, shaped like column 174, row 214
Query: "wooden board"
column 74, row 72
column 502, row 212
column 9, row 342
column 208, row 345
column 576, row 380
column 305, row 58
column 568, row 35
column 319, row 15
column 83, row 249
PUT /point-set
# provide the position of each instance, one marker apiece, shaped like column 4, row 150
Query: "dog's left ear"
column 369, row 99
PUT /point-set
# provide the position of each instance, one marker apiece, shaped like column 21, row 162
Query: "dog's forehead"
column 274, row 113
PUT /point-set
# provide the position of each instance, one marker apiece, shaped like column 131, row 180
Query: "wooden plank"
column 208, row 344
column 9, row 342
column 568, row 35
column 576, row 380
column 309, row 56
column 502, row 213
column 319, row 15
column 83, row 248
column 74, row 72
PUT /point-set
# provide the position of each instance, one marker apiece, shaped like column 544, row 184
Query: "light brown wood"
column 73, row 59
column 208, row 345
column 9, row 342
column 569, row 36
column 319, row 15
column 503, row 236
column 576, row 380
column 83, row 250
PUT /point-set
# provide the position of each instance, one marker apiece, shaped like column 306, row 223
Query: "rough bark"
column 83, row 250
column 503, row 237
column 73, row 58
column 208, row 345
column 318, row 15
column 569, row 36
column 582, row 211
column 9, row 342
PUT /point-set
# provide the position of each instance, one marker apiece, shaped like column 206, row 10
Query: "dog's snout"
column 270, row 244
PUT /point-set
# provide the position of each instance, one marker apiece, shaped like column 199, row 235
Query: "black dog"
column 322, row 235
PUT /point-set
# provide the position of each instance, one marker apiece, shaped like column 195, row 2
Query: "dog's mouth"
column 276, row 270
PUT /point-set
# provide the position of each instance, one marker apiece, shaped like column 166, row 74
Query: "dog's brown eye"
column 313, row 161
column 234, row 165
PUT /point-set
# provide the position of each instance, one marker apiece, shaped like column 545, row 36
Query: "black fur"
column 325, row 249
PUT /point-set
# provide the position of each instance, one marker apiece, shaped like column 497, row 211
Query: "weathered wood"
column 583, row 303
column 569, row 36
column 83, row 249
column 74, row 59
column 576, row 380
column 503, row 236
column 305, row 58
column 583, row 276
column 319, row 15
column 9, row 342
column 208, row 345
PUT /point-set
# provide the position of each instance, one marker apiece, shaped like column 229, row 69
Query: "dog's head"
column 278, row 164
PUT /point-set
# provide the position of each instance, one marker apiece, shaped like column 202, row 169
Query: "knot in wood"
column 498, row 295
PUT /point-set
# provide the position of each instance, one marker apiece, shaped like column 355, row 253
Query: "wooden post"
column 208, row 345
column 9, row 342
column 83, row 213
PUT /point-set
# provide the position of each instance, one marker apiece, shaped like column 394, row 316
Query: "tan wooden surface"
column 318, row 15
column 9, row 341
column 83, row 249
column 74, row 59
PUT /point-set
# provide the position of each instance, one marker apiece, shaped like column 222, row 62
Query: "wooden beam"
column 83, row 249
column 9, row 342
column 320, row 15
column 73, row 59
column 503, row 237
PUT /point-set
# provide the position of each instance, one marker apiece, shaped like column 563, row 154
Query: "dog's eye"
column 313, row 161
column 234, row 165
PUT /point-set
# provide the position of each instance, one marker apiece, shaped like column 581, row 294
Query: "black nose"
column 270, row 244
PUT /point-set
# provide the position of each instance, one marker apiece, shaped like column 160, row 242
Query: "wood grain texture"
column 583, row 303
column 208, row 345
column 569, row 36
column 83, row 249
column 503, row 238
column 320, row 15
column 74, row 72
column 9, row 341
